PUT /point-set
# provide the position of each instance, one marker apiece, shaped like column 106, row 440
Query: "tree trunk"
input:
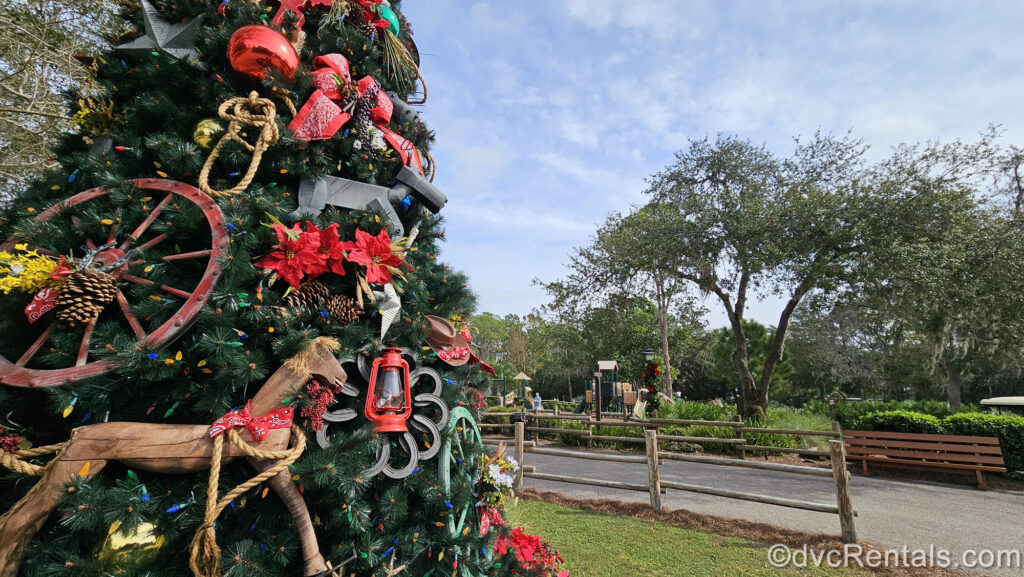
column 663, row 326
column 953, row 387
column 779, row 342
column 568, row 382
column 946, row 377
column 750, row 407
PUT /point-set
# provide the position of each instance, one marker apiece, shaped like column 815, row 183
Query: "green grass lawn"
column 604, row 545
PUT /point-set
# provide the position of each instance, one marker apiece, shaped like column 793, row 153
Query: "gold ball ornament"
column 205, row 131
column 130, row 550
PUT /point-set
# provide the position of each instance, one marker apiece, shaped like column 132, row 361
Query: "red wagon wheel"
column 116, row 253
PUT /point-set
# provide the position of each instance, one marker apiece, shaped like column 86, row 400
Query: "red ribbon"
column 455, row 354
column 46, row 299
column 322, row 115
column 258, row 427
column 489, row 516
column 473, row 359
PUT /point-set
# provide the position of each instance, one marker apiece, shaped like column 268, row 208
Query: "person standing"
column 536, row 402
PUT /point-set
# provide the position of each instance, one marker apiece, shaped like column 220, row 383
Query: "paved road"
column 891, row 513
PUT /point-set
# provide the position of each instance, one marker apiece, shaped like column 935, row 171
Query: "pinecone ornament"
column 311, row 295
column 344, row 309
column 85, row 295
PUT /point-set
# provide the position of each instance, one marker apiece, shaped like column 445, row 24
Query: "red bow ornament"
column 296, row 7
column 328, row 109
column 370, row 13
column 489, row 516
column 258, row 427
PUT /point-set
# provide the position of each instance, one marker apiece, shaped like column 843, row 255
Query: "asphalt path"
column 890, row 513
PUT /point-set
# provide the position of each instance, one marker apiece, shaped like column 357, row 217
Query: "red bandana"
column 259, row 427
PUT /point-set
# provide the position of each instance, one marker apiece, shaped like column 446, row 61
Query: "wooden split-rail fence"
column 654, row 457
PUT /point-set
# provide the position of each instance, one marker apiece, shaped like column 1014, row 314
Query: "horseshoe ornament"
column 433, row 446
column 339, row 415
column 383, row 464
column 416, row 378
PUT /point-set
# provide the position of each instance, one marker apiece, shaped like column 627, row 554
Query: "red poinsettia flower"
column 296, row 257
column 370, row 13
column 373, row 252
column 332, row 250
column 501, row 547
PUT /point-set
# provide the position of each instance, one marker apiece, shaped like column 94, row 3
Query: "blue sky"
column 550, row 113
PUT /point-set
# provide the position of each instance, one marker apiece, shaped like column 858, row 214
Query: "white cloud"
column 550, row 114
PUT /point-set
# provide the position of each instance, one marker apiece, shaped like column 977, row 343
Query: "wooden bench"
column 915, row 450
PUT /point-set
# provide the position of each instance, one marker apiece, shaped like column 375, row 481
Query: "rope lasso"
column 241, row 112
column 205, row 553
column 14, row 461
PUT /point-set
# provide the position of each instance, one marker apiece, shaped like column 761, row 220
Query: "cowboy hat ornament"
column 449, row 345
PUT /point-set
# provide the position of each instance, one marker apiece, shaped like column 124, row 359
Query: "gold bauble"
column 205, row 131
column 129, row 549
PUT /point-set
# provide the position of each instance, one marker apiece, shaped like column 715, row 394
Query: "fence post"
column 842, row 481
column 590, row 433
column 836, row 430
column 653, row 476
column 556, row 410
column 737, row 434
column 520, row 436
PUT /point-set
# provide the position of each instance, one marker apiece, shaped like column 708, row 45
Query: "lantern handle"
column 365, row 365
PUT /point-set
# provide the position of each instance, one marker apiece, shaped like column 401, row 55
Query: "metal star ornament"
column 390, row 306
column 174, row 39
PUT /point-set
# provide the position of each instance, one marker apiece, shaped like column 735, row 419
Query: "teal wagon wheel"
column 461, row 433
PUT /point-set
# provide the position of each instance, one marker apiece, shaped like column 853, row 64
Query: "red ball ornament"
column 254, row 49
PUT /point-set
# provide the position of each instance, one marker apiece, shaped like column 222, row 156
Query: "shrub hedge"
column 1009, row 429
column 899, row 422
column 847, row 412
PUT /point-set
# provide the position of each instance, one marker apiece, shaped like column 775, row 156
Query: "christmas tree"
column 243, row 233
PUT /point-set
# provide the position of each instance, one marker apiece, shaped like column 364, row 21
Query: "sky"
column 549, row 114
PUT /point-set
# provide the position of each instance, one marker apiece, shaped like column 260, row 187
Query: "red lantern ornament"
column 254, row 49
column 389, row 400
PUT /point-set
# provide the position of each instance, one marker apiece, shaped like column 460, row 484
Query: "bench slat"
column 920, row 437
column 927, row 456
column 952, row 448
column 927, row 464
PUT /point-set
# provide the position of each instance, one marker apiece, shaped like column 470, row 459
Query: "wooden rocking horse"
column 183, row 449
